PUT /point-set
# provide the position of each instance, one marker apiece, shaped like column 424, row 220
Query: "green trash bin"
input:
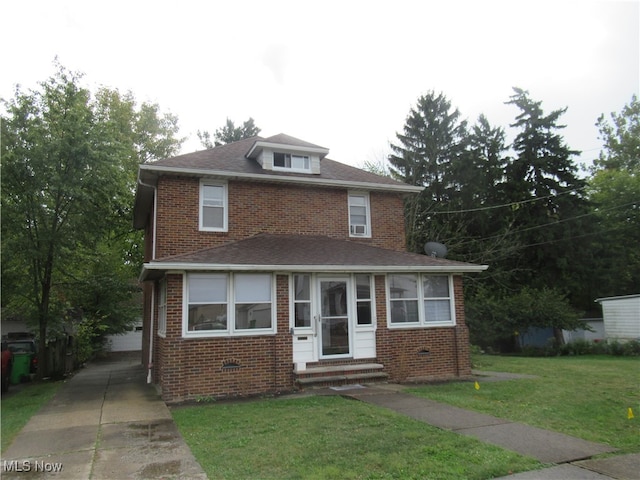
column 21, row 367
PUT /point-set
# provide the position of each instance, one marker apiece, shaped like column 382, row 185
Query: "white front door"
column 334, row 319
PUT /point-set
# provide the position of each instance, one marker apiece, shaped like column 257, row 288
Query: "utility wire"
column 521, row 202
column 535, row 227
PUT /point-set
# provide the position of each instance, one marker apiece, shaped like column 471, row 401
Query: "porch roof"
column 302, row 253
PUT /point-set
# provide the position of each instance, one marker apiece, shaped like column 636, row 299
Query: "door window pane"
column 334, row 299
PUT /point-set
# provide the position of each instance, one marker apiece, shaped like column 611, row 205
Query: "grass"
column 18, row 407
column 332, row 437
column 583, row 396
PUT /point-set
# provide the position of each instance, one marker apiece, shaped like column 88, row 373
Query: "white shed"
column 621, row 317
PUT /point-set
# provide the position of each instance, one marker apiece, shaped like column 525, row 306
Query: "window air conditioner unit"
column 358, row 229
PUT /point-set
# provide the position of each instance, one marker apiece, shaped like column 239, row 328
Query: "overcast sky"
column 341, row 74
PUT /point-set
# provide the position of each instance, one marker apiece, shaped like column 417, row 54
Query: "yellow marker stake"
column 629, row 413
column 477, row 386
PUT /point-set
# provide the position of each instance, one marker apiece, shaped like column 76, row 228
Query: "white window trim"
column 292, row 169
column 353, row 303
column 422, row 323
column 230, row 331
column 162, row 308
column 372, row 299
column 225, row 206
column 365, row 195
column 292, row 304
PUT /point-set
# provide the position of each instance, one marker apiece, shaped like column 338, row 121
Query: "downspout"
column 151, row 334
column 153, row 289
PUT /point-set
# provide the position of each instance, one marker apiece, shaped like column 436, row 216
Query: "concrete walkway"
column 104, row 423
column 572, row 456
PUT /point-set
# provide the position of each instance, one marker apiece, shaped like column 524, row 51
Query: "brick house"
column 269, row 267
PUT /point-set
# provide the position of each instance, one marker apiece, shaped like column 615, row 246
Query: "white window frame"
column 231, row 330
column 422, row 322
column 162, row 308
column 371, row 300
column 306, row 162
column 294, row 301
column 224, row 206
column 367, row 205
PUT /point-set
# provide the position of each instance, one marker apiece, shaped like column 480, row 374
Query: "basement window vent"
column 230, row 364
column 424, row 351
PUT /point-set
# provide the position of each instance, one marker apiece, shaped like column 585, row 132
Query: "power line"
column 521, row 202
column 535, row 227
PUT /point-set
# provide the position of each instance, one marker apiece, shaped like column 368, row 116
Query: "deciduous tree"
column 68, row 176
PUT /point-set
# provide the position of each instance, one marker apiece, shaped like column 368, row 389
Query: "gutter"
column 321, row 182
column 150, row 267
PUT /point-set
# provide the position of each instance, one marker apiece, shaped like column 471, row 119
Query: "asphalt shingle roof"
column 299, row 252
column 231, row 158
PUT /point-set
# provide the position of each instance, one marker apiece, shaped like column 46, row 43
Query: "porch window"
column 437, row 302
column 420, row 300
column 252, row 301
column 302, row 300
column 213, row 207
column 359, row 216
column 229, row 304
column 363, row 299
column 207, row 299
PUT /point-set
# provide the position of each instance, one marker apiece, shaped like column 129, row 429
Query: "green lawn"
column 332, row 437
column 584, row 396
column 18, row 407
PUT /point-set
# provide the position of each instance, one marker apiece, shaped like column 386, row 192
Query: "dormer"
column 282, row 153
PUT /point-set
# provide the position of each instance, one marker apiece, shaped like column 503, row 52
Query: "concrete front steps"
column 336, row 374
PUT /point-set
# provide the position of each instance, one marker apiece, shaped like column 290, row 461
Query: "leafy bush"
column 495, row 319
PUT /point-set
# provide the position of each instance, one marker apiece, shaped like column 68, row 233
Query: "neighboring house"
column 269, row 267
column 621, row 317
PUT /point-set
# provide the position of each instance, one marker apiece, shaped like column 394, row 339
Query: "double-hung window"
column 363, row 299
column 252, row 294
column 359, row 215
column 420, row 300
column 229, row 304
column 302, row 300
column 213, row 206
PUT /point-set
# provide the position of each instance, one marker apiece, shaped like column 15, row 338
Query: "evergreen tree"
column 433, row 139
column 229, row 133
column 549, row 200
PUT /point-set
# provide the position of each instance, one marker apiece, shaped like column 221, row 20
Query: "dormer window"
column 289, row 161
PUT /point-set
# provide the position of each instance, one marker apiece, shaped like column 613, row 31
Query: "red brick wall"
column 187, row 369
column 191, row 368
column 417, row 354
column 269, row 208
